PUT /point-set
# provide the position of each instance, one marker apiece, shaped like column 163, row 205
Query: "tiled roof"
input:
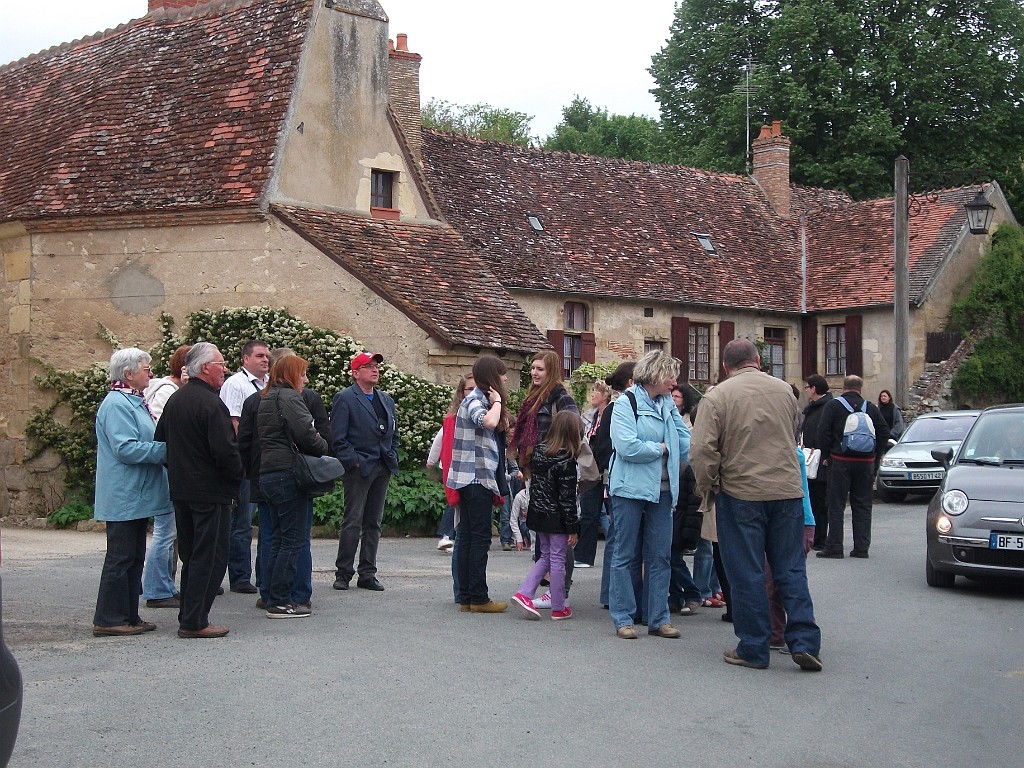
column 175, row 111
column 851, row 251
column 426, row 271
column 615, row 227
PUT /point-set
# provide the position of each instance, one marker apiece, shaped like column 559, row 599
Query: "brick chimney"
column 404, row 90
column 771, row 166
column 172, row 5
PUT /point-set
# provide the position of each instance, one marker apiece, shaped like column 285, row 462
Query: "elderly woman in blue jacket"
column 649, row 441
column 131, row 487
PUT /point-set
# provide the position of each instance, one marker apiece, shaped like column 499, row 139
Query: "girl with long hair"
column 545, row 397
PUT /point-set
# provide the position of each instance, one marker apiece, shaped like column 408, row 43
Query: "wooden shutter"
column 589, row 347
column 681, row 345
column 854, row 345
column 809, row 345
column 726, row 333
column 557, row 340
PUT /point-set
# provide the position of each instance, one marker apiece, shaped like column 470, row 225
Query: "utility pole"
column 901, row 282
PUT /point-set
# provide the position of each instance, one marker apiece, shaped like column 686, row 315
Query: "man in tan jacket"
column 742, row 450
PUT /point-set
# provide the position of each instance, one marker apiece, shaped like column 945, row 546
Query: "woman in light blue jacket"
column 131, row 487
column 649, row 442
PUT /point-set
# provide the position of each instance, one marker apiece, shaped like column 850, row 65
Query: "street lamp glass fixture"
column 979, row 214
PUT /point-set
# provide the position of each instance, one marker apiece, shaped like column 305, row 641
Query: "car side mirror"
column 944, row 457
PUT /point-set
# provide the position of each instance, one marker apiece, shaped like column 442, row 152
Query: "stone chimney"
column 404, row 90
column 172, row 5
column 771, row 166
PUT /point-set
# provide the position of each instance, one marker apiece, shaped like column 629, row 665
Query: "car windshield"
column 938, row 428
column 999, row 435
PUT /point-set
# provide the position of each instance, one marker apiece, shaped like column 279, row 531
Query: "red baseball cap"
column 364, row 358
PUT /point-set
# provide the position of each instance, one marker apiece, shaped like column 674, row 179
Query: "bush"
column 70, row 514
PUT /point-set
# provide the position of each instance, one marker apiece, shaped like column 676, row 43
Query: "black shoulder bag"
column 315, row 475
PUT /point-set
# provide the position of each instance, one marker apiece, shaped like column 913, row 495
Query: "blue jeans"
column 446, row 526
column 606, row 558
column 748, row 531
column 681, row 587
column 455, row 565
column 240, row 539
column 302, row 590
column 704, row 575
column 652, row 520
column 157, row 576
column 288, row 522
column 474, row 539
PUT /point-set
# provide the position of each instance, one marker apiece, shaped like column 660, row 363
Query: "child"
column 517, row 518
column 553, row 512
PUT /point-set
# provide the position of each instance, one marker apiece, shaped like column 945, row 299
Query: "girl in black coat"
column 553, row 512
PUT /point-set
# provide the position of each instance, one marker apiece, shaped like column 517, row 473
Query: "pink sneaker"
column 525, row 604
column 565, row 613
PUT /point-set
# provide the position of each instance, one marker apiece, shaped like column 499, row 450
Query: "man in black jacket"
column 818, row 397
column 850, row 473
column 204, row 472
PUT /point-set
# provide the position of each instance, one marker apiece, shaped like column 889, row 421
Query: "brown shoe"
column 209, row 631
column 731, row 657
column 165, row 602
column 489, row 607
column 145, row 625
column 627, row 632
column 665, row 630
column 808, row 662
column 464, row 608
column 122, row 630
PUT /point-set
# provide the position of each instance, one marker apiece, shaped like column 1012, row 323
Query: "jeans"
column 288, row 523
column 455, row 565
column 157, row 576
column 851, row 479
column 553, row 550
column 302, row 590
column 360, row 528
column 817, row 491
column 505, row 522
column 606, row 558
column 748, row 531
column 591, row 507
column 121, row 578
column 652, row 520
column 474, row 539
column 240, row 541
column 203, row 547
column 704, row 574
column 446, row 526
column 681, row 587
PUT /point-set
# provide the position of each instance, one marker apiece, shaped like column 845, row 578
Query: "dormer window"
column 705, row 243
column 382, row 184
column 535, row 222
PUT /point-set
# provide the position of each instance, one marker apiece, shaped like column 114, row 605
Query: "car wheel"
column 936, row 578
column 890, row 497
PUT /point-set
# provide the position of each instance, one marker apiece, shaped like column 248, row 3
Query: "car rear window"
column 936, row 428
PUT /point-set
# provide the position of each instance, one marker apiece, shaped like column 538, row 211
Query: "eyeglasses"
column 370, row 366
column 221, row 363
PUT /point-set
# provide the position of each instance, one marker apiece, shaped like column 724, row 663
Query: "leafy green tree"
column 993, row 308
column 478, row 121
column 588, row 130
column 856, row 83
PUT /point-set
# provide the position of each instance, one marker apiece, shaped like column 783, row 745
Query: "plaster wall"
column 338, row 130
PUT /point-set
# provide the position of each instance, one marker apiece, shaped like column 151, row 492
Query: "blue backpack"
column 859, row 430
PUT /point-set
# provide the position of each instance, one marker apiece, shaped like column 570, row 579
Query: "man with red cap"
column 365, row 440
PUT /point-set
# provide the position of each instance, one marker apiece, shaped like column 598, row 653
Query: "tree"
column 588, row 130
column 856, row 83
column 478, row 121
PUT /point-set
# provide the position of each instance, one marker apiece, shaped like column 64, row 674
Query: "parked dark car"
column 976, row 520
column 909, row 467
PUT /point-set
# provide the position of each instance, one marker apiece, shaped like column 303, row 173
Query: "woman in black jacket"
column 285, row 426
column 818, row 397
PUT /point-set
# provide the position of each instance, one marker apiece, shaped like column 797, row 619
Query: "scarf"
column 120, row 386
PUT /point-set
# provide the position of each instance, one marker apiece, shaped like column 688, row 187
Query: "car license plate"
column 1014, row 541
column 925, row 475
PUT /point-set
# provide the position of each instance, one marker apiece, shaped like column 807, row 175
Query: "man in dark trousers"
column 850, row 472
column 204, row 472
column 365, row 440
column 818, row 397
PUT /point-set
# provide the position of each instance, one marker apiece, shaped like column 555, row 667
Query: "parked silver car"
column 976, row 520
column 909, row 467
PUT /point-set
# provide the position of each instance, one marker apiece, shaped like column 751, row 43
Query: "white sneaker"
column 445, row 543
column 581, row 565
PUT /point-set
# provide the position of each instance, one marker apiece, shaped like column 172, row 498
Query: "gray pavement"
column 913, row 676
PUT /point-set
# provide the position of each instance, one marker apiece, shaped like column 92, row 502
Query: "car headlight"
column 943, row 524
column 893, row 464
column 954, row 502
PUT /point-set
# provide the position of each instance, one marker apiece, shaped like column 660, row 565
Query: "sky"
column 528, row 56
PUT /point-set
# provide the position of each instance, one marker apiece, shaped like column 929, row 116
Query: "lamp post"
column 979, row 218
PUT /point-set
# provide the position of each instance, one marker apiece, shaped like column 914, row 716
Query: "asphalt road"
column 913, row 676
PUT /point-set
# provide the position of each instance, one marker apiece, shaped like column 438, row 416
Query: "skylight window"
column 535, row 222
column 705, row 242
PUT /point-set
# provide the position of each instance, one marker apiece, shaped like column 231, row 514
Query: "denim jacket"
column 635, row 468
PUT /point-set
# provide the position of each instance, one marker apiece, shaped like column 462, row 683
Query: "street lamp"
column 979, row 217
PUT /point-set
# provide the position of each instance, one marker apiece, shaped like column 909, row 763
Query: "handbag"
column 812, row 461
column 314, row 475
column 590, row 475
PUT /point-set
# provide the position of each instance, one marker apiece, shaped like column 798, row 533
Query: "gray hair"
column 277, row 354
column 127, row 359
column 738, row 352
column 654, row 367
column 201, row 353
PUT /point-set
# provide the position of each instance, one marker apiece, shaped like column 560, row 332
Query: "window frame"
column 695, row 366
column 835, row 349
column 382, row 188
column 775, row 339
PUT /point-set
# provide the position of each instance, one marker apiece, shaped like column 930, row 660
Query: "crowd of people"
column 722, row 481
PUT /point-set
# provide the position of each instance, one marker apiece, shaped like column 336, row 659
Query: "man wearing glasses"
column 204, row 472
column 365, row 440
